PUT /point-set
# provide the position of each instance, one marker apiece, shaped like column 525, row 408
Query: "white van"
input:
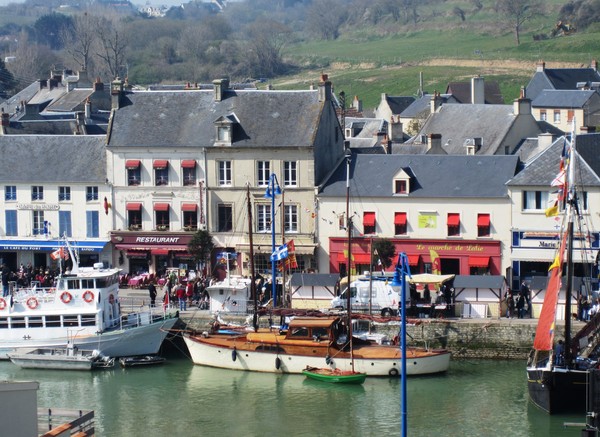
column 385, row 299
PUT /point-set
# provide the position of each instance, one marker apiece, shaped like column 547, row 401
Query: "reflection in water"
column 473, row 399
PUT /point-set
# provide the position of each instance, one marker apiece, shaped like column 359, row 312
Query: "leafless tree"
column 325, row 18
column 266, row 40
column 112, row 44
column 32, row 62
column 79, row 40
column 518, row 12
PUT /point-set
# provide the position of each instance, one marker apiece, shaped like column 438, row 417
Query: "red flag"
column 290, row 262
column 59, row 253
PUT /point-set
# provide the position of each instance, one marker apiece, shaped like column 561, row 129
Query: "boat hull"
column 558, row 390
column 374, row 360
column 327, row 375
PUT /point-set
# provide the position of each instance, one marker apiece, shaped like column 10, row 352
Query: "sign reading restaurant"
column 156, row 240
column 39, row 206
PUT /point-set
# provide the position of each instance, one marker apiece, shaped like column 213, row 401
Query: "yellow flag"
column 552, row 211
column 555, row 263
column 435, row 262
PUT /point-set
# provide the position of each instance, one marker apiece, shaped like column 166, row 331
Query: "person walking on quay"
column 180, row 293
column 510, row 304
column 189, row 292
column 521, row 306
column 152, row 291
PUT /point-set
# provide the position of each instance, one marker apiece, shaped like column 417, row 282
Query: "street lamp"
column 273, row 189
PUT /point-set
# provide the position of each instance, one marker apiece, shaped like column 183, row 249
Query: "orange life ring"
column 2, row 304
column 32, row 303
column 111, row 299
column 88, row 296
column 66, row 297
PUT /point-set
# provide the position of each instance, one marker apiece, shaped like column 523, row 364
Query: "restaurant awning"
column 132, row 164
column 161, row 207
column 357, row 258
column 483, row 220
column 413, row 260
column 142, row 247
column 479, row 261
column 159, row 251
column 189, row 207
column 188, row 163
column 160, row 163
column 133, row 206
column 453, row 219
column 400, row 218
column 369, row 218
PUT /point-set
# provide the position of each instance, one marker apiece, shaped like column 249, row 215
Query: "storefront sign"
column 428, row 221
column 38, row 206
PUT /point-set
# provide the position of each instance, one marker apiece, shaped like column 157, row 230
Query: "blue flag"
column 280, row 253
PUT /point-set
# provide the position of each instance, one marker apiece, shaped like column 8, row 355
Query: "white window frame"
column 263, row 218
column 263, row 173
column 225, row 173
column 290, row 218
column 290, row 173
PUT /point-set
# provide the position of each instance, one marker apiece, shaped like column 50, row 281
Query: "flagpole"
column 283, row 243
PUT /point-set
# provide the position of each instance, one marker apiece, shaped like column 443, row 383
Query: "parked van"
column 385, row 299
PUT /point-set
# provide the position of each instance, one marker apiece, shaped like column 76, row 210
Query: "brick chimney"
column 436, row 101
column 4, row 118
column 98, row 85
column 219, row 87
column 541, row 66
column 324, row 89
column 522, row 106
column 477, row 90
column 357, row 104
column 116, row 90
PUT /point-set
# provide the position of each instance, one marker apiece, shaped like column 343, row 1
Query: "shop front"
column 464, row 257
column 139, row 253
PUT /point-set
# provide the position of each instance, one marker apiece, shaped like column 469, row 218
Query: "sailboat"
column 558, row 371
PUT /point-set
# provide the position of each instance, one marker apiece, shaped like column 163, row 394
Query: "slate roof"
column 544, row 168
column 399, row 103
column 433, row 176
column 71, row 100
column 52, row 159
column 25, row 94
column 422, row 106
column 560, row 79
column 461, row 91
column 186, row 118
column 314, row 280
column 42, row 127
column 562, row 98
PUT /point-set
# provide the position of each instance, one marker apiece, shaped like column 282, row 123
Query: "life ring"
column 2, row 304
column 32, row 303
column 111, row 299
column 393, row 372
column 66, row 297
column 88, row 296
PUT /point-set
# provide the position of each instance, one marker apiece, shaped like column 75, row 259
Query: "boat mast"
column 349, row 262
column 252, row 272
column 571, row 210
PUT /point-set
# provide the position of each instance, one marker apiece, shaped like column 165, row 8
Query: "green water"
column 475, row 398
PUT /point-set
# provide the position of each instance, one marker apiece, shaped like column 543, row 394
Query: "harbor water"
column 475, row 398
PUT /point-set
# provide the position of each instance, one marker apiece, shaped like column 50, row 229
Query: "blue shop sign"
column 50, row 245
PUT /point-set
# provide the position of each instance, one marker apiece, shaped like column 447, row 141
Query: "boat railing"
column 60, row 421
column 42, row 294
column 143, row 317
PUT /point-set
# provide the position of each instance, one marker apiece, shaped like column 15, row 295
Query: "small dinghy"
column 141, row 360
column 334, row 375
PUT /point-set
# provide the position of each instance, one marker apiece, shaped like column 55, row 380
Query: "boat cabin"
column 320, row 329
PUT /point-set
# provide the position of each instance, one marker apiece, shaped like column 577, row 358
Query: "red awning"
column 160, row 163
column 483, row 220
column 132, row 164
column 369, row 219
column 137, row 253
column 400, row 218
column 133, row 206
column 161, row 207
column 188, row 163
column 159, row 251
column 361, row 258
column 479, row 261
column 189, row 207
column 453, row 219
column 413, row 260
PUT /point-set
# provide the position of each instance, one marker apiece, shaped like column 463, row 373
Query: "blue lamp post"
column 272, row 191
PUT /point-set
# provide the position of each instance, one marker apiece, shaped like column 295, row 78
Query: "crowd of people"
column 25, row 276
column 519, row 305
column 181, row 292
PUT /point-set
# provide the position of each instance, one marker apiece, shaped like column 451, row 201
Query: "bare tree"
column 325, row 18
column 111, row 47
column 266, row 39
column 518, row 12
column 32, row 62
column 79, row 39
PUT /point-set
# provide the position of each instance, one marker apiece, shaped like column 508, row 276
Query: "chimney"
column 269, row 87
column 436, row 101
column 595, row 65
column 79, row 123
column 82, row 79
column 219, row 87
column 116, row 90
column 98, row 85
column 324, row 89
column 43, row 84
column 4, row 118
column 477, row 91
column 522, row 106
column 587, row 129
column 357, row 104
column 88, row 109
column 395, row 130
column 52, row 83
column 434, row 145
column 545, row 140
column 541, row 66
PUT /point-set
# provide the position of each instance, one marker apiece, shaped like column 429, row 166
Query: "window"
column 263, row 173
column 190, row 218
column 400, row 223
column 11, row 227
column 263, row 218
column 161, row 172
column 37, row 192
column 291, row 218
column 369, row 222
column 134, row 176
column 161, row 211
column 91, row 193
column 39, row 226
column 400, row 186
column 64, row 194
column 225, row 218
column 224, row 134
column 543, row 115
column 92, row 224
column 535, row 200
column 290, row 175
column 483, row 225
column 64, row 223
column 10, row 192
column 225, row 173
column 556, row 116
column 189, row 173
column 134, row 216
column 453, row 224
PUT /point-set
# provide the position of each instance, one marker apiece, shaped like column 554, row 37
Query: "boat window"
column 3, row 323
column 102, row 282
column 299, row 332
column 87, row 283
column 88, row 319
column 17, row 322
column 73, row 284
column 52, row 321
column 269, row 348
column 35, row 322
column 320, row 333
column 70, row 321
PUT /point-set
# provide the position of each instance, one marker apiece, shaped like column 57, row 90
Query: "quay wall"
column 465, row 338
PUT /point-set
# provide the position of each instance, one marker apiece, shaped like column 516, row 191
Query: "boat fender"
column 328, row 360
column 234, row 354
column 393, row 372
column 204, row 334
column 32, row 303
column 2, row 304
column 65, row 297
column 277, row 363
column 88, row 296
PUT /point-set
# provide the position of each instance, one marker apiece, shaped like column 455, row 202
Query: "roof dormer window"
column 401, row 183
column 225, row 125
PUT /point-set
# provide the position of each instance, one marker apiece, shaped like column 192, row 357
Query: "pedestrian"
column 180, row 294
column 5, row 278
column 510, row 304
column 152, row 291
column 189, row 292
column 559, row 359
column 521, row 306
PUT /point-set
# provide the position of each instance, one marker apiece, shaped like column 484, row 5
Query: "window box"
column 162, row 227
column 135, row 227
column 190, row 228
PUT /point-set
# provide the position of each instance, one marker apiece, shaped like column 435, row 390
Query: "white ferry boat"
column 83, row 307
